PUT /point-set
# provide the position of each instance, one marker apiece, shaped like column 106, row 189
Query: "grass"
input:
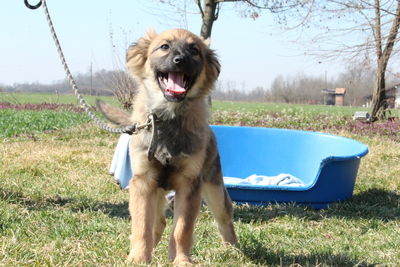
column 14, row 122
column 38, row 98
column 22, row 98
column 254, row 107
column 59, row 207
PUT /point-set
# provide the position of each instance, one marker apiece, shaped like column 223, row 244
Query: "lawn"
column 59, row 206
column 253, row 107
column 22, row 98
column 38, row 98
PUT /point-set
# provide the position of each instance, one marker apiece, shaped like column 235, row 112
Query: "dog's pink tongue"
column 175, row 83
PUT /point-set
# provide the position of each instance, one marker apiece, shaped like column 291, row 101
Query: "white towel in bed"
column 122, row 171
column 281, row 180
column 121, row 162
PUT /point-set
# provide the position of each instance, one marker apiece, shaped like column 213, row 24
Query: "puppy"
column 176, row 71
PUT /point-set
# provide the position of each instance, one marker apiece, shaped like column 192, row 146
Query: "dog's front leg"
column 142, row 207
column 186, row 209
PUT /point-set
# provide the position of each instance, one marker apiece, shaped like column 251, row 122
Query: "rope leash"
column 132, row 129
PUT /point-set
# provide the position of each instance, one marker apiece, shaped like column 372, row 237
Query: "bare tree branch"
column 377, row 30
column 200, row 8
column 392, row 35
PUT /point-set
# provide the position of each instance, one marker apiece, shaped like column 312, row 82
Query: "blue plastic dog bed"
column 327, row 164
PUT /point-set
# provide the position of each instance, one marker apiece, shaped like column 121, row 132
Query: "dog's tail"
column 113, row 114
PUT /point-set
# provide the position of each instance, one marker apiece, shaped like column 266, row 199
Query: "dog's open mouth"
column 175, row 85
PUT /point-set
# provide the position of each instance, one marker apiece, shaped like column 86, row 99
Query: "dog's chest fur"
column 175, row 139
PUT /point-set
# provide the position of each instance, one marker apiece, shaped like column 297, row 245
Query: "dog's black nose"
column 180, row 59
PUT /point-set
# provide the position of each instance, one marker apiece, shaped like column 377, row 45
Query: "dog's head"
column 177, row 63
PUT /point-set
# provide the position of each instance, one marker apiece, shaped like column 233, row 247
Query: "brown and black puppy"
column 176, row 71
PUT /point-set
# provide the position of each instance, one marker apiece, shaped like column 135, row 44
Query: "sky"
column 250, row 56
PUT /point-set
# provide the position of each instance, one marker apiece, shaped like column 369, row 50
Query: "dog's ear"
column 213, row 68
column 137, row 54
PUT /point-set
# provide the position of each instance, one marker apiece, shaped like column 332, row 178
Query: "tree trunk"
column 378, row 106
column 208, row 17
column 379, row 97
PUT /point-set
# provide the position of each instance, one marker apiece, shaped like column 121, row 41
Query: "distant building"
column 392, row 97
column 334, row 97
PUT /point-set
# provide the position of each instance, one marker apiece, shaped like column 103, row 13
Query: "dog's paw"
column 133, row 258
column 182, row 262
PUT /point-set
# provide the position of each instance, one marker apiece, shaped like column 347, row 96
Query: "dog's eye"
column 164, row 47
column 194, row 51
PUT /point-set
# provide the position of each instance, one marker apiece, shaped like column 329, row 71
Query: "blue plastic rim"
column 327, row 164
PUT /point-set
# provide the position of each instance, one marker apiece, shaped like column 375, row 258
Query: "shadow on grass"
column 371, row 204
column 374, row 203
column 264, row 256
column 80, row 204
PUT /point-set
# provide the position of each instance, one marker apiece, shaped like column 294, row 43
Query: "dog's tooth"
column 165, row 79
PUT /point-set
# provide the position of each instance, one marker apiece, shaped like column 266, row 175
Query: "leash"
column 131, row 129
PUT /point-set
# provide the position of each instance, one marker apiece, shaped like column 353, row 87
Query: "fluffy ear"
column 213, row 68
column 136, row 56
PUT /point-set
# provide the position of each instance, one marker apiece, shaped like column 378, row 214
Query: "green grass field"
column 22, row 98
column 252, row 107
column 60, row 207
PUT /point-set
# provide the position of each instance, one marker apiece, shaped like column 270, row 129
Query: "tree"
column 366, row 29
column 209, row 9
column 283, row 89
column 358, row 80
column 383, row 53
column 298, row 88
column 346, row 29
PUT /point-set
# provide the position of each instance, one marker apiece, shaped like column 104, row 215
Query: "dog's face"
column 177, row 63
